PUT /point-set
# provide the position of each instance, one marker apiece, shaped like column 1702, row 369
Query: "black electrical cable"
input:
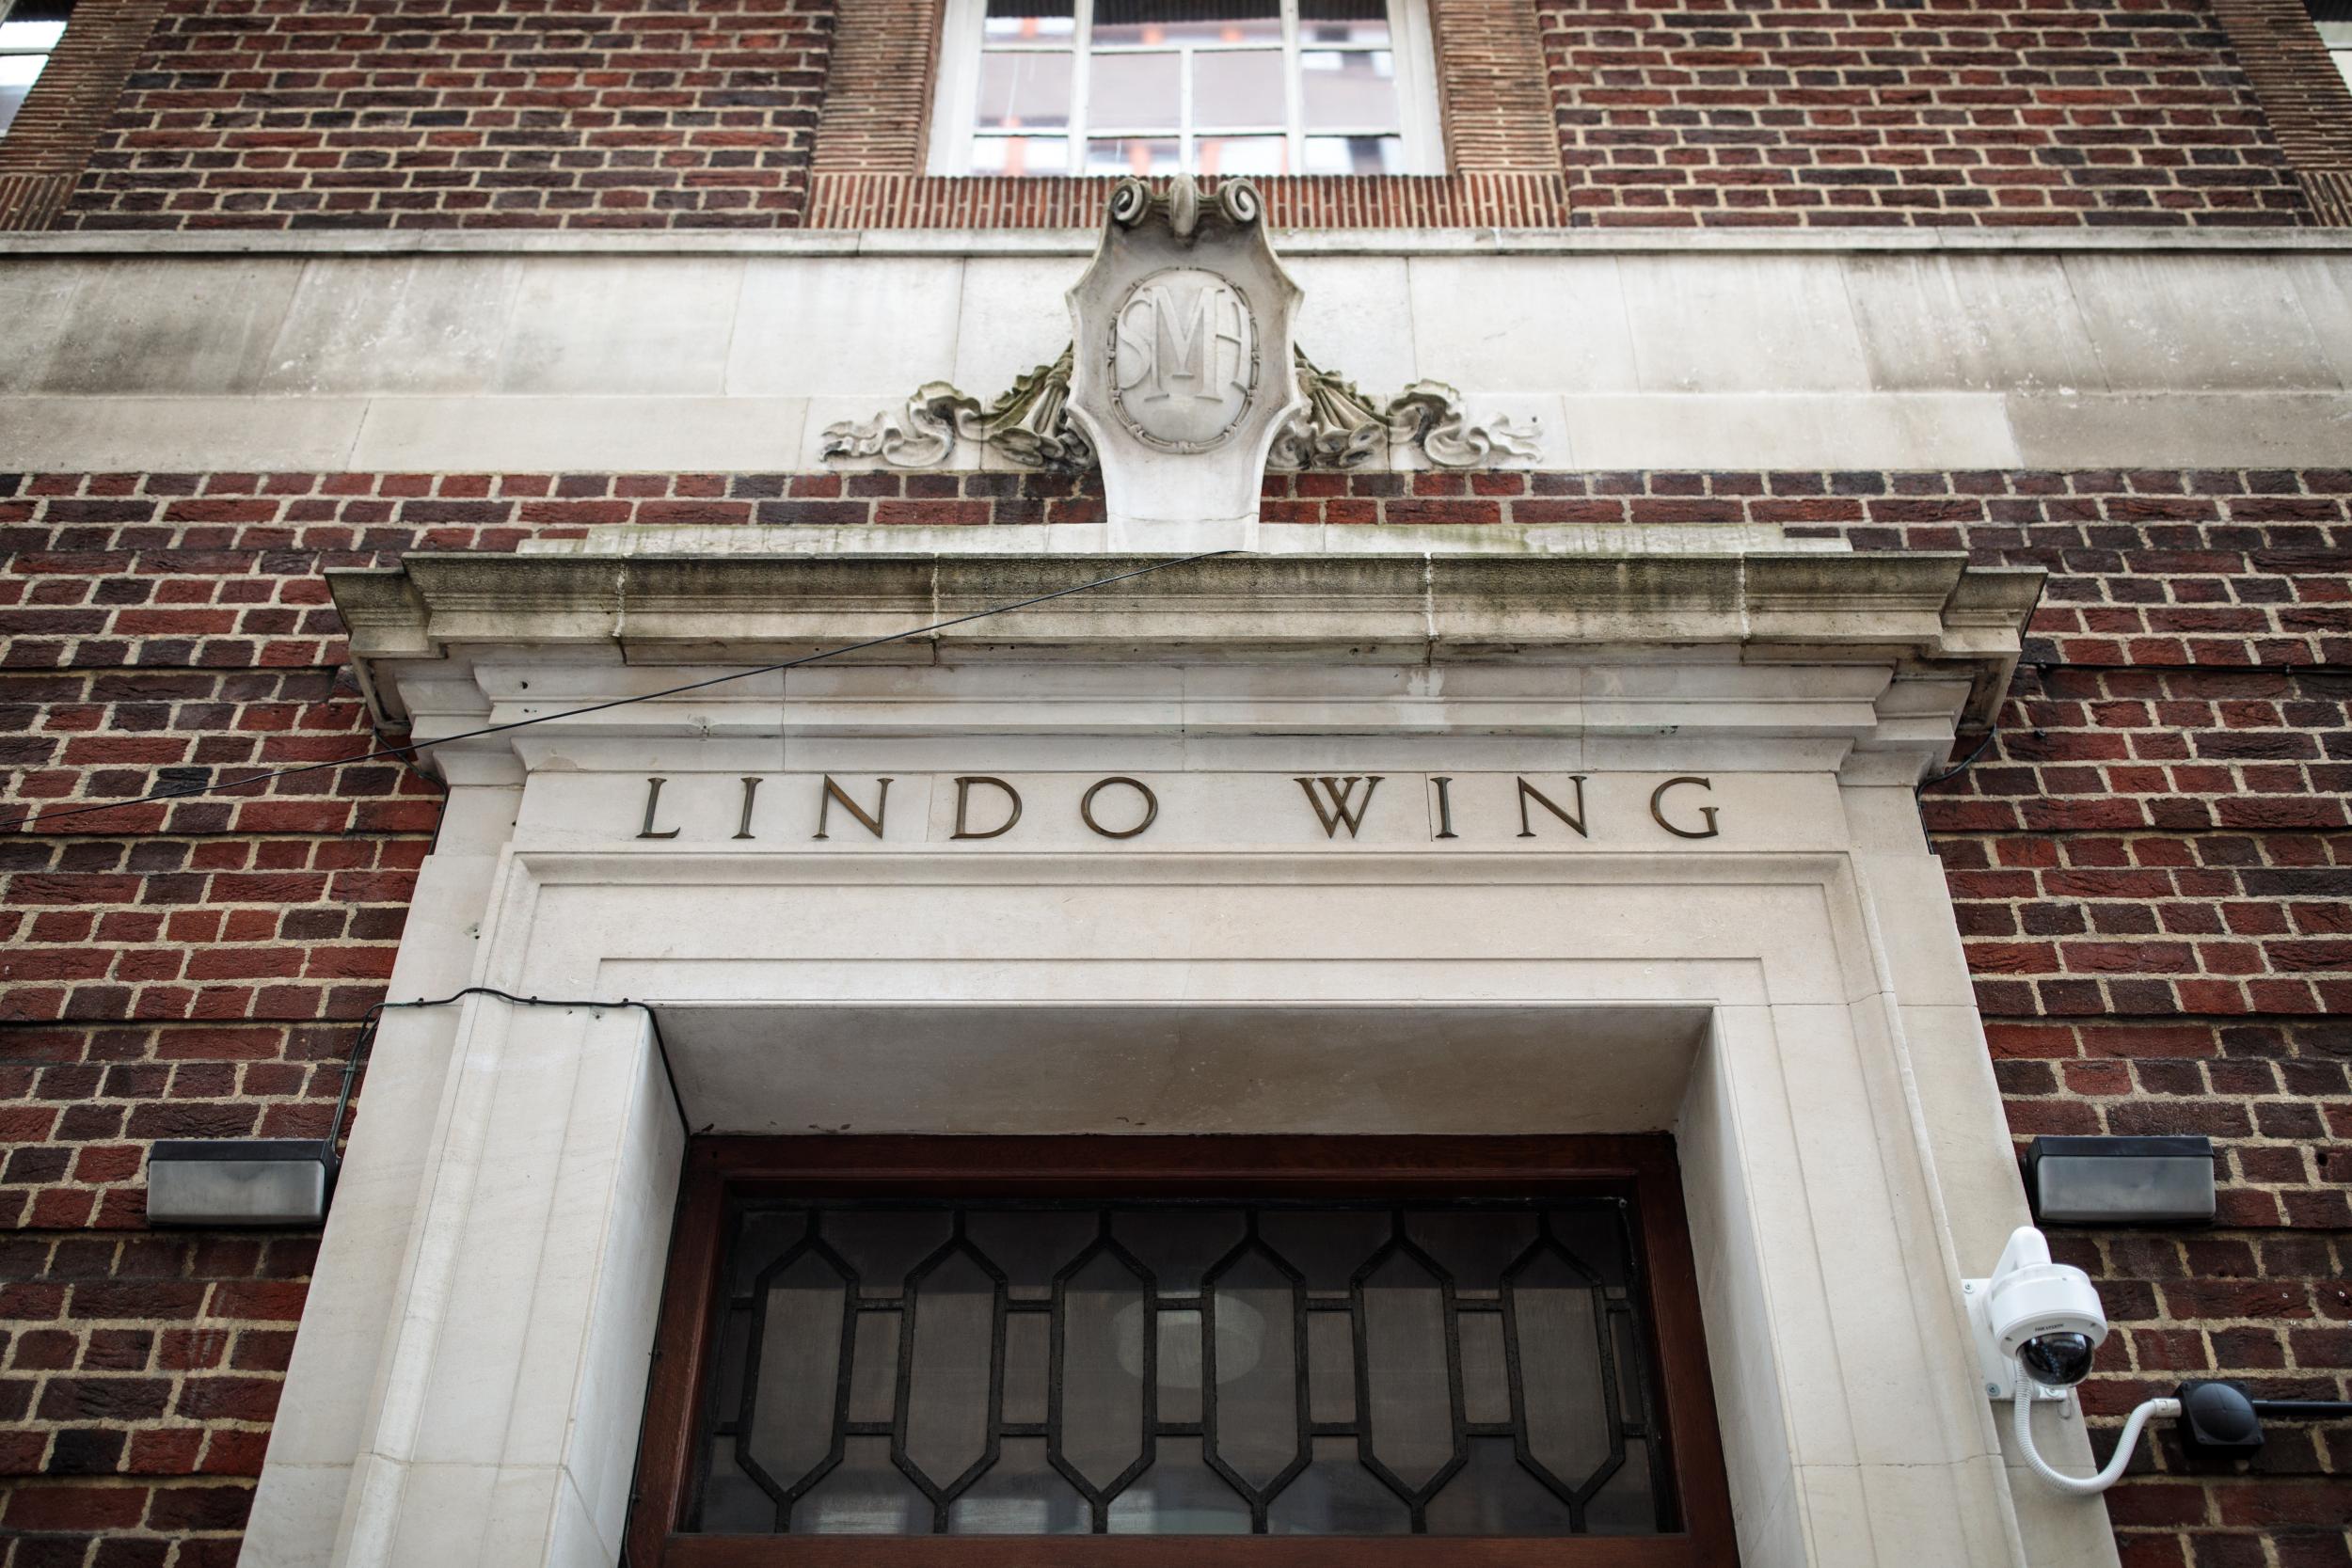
column 45, row 817
column 373, row 1016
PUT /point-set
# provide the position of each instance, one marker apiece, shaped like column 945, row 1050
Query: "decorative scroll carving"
column 1029, row 424
column 1342, row 428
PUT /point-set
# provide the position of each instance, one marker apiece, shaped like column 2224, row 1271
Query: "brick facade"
column 2152, row 867
column 1827, row 111
column 463, row 114
column 774, row 113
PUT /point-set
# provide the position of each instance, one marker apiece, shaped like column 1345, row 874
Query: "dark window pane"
column 790, row 1432
column 1180, row 1496
column 1151, row 22
column 1493, row 1496
column 1331, row 1367
column 1473, row 1368
column 1337, row 1496
column 1411, row 1401
column 1030, row 22
column 865, row 1494
column 1254, row 1342
column 1553, row 1313
column 951, row 1307
column 1020, row 1494
column 1335, row 22
column 874, row 1371
column 1102, row 1369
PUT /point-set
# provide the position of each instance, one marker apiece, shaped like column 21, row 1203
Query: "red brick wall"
column 464, row 113
column 1899, row 112
column 525, row 113
column 2152, row 867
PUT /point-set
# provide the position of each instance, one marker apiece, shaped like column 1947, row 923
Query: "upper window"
column 1211, row 87
column 30, row 30
column 2334, row 19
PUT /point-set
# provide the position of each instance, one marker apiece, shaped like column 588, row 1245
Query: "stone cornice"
column 1925, row 615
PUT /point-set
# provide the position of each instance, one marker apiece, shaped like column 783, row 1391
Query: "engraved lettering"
column 1529, row 792
column 1657, row 812
column 1344, row 808
column 653, row 803
column 743, row 823
column 1150, row 806
column 834, row 792
column 963, row 806
column 1445, row 807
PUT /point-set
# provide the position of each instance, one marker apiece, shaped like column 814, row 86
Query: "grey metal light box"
column 237, row 1182
column 2120, row 1181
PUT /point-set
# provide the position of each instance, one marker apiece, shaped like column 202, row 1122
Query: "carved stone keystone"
column 1183, row 372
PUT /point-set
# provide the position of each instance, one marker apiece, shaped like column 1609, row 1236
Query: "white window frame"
column 1411, row 48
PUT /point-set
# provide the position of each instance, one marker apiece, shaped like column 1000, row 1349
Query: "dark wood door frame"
column 1640, row 1167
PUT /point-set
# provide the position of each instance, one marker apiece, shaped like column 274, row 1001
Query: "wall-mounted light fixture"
column 2147, row 1180
column 224, row 1181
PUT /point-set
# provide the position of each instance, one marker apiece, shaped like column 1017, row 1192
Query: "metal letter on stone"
column 1183, row 372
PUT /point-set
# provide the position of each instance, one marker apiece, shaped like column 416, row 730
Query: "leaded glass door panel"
column 1264, row 1366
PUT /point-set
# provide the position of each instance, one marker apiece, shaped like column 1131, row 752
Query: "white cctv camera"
column 2042, row 1317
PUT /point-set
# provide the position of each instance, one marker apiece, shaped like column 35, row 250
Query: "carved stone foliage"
column 1340, row 428
column 1028, row 424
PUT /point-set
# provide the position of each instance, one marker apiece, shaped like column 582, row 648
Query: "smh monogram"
column 1183, row 364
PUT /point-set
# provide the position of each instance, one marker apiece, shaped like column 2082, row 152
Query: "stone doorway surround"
column 1787, row 995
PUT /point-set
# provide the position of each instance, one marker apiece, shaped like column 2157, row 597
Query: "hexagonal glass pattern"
column 1459, row 1369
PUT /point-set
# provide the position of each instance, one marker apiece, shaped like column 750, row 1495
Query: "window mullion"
column 1081, row 80
column 1187, row 158
column 1294, row 93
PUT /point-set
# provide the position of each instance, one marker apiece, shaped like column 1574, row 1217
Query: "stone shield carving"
column 1183, row 371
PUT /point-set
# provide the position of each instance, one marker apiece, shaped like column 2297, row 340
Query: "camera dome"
column 2057, row 1360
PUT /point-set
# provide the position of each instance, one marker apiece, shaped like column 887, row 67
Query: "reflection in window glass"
column 1141, row 156
column 1213, row 86
column 1237, row 89
column 1019, row 156
column 1355, row 155
column 1349, row 91
column 1023, row 89
column 1142, row 90
column 1242, row 155
column 30, row 30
